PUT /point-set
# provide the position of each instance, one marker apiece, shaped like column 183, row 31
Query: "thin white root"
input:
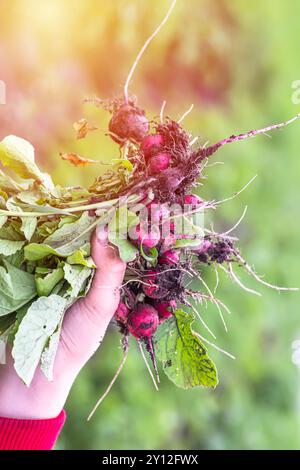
column 162, row 110
column 140, row 54
column 210, row 165
column 193, row 141
column 215, row 234
column 237, row 224
column 261, row 281
column 185, row 114
column 239, row 282
column 110, row 385
column 138, row 280
column 215, row 302
column 200, row 296
column 201, row 320
column 147, row 365
column 237, row 193
column 215, row 346
column 217, row 279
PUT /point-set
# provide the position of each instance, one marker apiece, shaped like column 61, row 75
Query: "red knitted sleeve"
column 30, row 434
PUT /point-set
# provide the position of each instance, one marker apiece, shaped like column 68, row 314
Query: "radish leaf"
column 49, row 353
column 37, row 326
column 127, row 250
column 45, row 285
column 28, row 226
column 70, row 237
column 17, row 287
column 37, row 251
column 184, row 358
column 76, row 277
column 122, row 221
column 18, row 154
column 79, row 258
column 9, row 247
column 186, row 242
column 3, row 220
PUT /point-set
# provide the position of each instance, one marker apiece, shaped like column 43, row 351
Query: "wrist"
column 42, row 400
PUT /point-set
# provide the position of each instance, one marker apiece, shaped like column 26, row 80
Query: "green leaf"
column 3, row 220
column 6, row 322
column 8, row 184
column 12, row 231
column 122, row 220
column 32, row 196
column 72, row 236
column 186, row 242
column 19, row 315
column 17, row 287
column 28, row 227
column 78, row 258
column 35, row 330
column 45, row 285
column 37, row 251
column 184, row 358
column 60, row 288
column 66, row 220
column 44, row 230
column 118, row 227
column 49, row 353
column 76, row 277
column 17, row 259
column 124, row 163
column 127, row 251
column 151, row 257
column 9, row 247
column 18, row 155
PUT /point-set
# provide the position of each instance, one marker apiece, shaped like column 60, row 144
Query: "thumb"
column 86, row 321
column 103, row 296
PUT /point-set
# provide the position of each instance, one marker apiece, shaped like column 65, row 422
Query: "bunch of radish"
column 46, row 232
column 165, row 167
column 166, row 163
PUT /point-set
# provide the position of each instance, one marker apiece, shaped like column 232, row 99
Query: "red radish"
column 158, row 163
column 122, row 312
column 152, row 144
column 149, row 238
column 192, row 199
column 128, row 123
column 150, row 287
column 143, row 321
column 170, row 257
column 165, row 309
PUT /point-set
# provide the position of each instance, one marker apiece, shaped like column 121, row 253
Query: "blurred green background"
column 236, row 61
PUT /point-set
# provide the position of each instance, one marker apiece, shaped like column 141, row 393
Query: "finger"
column 104, row 294
column 87, row 320
column 108, row 277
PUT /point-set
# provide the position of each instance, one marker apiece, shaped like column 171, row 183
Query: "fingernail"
column 102, row 234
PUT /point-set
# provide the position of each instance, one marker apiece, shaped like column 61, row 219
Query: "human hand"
column 83, row 329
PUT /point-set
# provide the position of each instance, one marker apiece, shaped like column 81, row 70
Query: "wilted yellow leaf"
column 18, row 155
column 82, row 127
column 77, row 160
